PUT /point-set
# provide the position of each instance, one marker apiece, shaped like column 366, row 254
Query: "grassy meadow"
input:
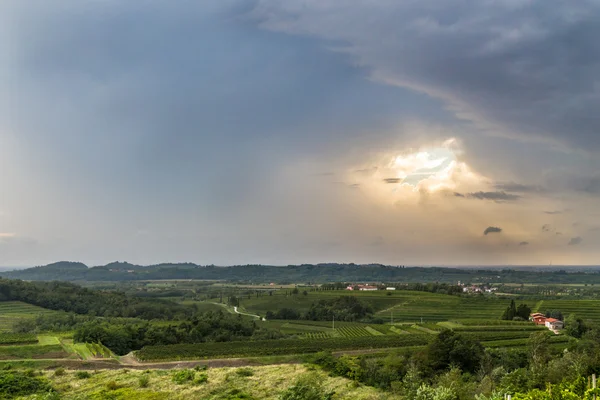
column 264, row 382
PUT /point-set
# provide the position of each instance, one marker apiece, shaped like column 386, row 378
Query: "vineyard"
column 586, row 309
column 13, row 311
column 275, row 347
column 17, row 338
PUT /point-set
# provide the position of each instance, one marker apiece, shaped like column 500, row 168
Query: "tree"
column 510, row 312
column 574, row 326
column 554, row 314
column 523, row 311
column 452, row 349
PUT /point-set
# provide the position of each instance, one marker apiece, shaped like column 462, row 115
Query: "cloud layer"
column 527, row 69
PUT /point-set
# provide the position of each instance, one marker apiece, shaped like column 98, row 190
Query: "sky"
column 431, row 132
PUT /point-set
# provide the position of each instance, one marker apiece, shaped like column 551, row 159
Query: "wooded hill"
column 305, row 273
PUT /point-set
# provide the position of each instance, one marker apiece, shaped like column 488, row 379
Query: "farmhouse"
column 390, row 288
column 554, row 324
column 366, row 287
column 538, row 318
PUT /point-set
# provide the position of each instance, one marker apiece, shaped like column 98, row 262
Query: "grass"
column 46, row 340
column 32, row 352
column 265, row 382
column 13, row 311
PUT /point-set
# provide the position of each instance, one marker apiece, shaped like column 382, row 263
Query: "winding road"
column 235, row 309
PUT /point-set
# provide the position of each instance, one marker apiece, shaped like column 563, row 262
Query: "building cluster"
column 368, row 287
column 477, row 289
column 550, row 323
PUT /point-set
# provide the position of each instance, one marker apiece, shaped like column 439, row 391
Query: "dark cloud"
column 366, row 170
column 523, row 243
column 553, row 212
column 546, row 227
column 492, row 229
column 575, row 241
column 523, row 68
column 456, row 194
column 392, row 180
column 495, row 196
column 518, row 187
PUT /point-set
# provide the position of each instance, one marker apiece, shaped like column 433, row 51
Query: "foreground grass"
column 264, row 382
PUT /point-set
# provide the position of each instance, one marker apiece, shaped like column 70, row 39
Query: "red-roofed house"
column 538, row 318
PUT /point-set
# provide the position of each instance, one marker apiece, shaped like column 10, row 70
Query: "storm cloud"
column 509, row 66
column 492, row 229
column 263, row 131
column 495, row 196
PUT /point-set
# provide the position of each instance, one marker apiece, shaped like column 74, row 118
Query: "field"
column 17, row 338
column 410, row 319
column 13, row 311
column 586, row 309
column 275, row 347
column 261, row 382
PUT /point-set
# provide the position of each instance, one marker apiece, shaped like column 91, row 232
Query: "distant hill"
column 305, row 273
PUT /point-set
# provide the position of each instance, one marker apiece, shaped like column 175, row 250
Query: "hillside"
column 305, row 273
column 258, row 383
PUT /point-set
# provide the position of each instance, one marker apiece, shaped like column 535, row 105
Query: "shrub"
column 202, row 378
column 307, row 387
column 244, row 372
column 18, row 383
column 59, row 372
column 112, row 385
column 183, row 376
column 83, row 375
column 144, row 381
column 30, row 372
column 202, row 367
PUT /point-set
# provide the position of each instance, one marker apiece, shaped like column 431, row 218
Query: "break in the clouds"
column 261, row 131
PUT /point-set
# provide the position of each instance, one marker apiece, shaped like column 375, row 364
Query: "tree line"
column 73, row 298
column 342, row 308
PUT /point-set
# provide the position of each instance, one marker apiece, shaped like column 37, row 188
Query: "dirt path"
column 235, row 309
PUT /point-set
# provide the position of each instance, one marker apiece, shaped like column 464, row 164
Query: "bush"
column 183, row 376
column 83, row 375
column 202, row 367
column 244, row 372
column 17, row 383
column 144, row 381
column 112, row 385
column 307, row 387
column 202, row 378
column 59, row 371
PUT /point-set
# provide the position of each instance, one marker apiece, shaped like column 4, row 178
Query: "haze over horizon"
column 268, row 132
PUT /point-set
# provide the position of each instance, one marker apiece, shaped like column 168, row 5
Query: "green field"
column 585, row 309
column 13, row 311
column 275, row 347
column 52, row 351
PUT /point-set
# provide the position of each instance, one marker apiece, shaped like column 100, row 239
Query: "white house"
column 554, row 324
column 390, row 288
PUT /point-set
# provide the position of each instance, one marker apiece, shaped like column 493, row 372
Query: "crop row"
column 353, row 331
column 17, row 338
column 554, row 340
column 500, row 328
column 275, row 347
column 316, row 335
column 492, row 335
